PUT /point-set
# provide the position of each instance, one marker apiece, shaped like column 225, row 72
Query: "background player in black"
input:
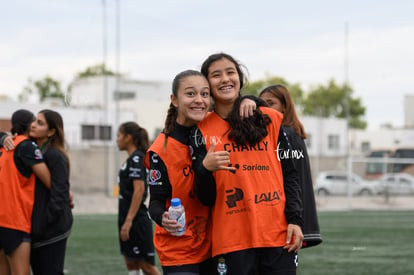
column 135, row 225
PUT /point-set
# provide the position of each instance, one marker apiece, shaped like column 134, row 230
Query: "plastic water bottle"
column 177, row 212
column 221, row 266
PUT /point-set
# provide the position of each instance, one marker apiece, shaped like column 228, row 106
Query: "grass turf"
column 355, row 242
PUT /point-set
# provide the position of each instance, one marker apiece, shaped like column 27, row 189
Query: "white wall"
column 319, row 129
column 149, row 104
column 409, row 111
column 72, row 119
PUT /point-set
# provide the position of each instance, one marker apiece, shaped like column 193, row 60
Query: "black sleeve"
column 59, row 192
column 3, row 135
column 30, row 153
column 293, row 208
column 160, row 188
column 205, row 184
column 26, row 155
column 259, row 102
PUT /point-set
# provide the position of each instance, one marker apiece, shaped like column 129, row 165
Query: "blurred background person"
column 52, row 214
column 279, row 98
column 134, row 223
column 18, row 168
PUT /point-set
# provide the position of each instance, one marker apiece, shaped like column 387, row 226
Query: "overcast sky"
column 301, row 41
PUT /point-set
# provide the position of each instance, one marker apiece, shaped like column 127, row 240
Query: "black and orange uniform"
column 139, row 245
column 300, row 158
column 3, row 135
column 254, row 203
column 52, row 216
column 17, row 185
column 171, row 175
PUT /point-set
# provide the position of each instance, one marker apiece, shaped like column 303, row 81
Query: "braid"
column 169, row 122
column 170, row 119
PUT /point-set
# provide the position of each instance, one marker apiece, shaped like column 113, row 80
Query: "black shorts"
column 262, row 261
column 205, row 268
column 139, row 246
column 10, row 239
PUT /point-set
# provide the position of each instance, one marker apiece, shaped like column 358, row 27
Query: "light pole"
column 117, row 93
column 346, row 105
column 106, row 101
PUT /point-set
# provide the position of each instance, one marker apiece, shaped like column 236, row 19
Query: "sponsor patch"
column 38, row 154
column 154, row 177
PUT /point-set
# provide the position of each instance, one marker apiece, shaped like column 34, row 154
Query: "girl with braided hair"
column 171, row 175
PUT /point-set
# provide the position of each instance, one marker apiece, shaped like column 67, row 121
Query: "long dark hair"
column 290, row 117
column 243, row 131
column 139, row 135
column 21, row 120
column 54, row 121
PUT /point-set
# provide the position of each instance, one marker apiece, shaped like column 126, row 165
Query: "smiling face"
column 273, row 101
column 224, row 81
column 192, row 100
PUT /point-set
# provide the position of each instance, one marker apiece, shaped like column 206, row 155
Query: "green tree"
column 255, row 87
column 46, row 87
column 331, row 100
column 95, row 70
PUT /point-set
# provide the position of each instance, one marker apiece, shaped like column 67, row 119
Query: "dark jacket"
column 300, row 159
column 52, row 216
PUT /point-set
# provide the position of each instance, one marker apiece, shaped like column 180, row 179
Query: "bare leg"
column 4, row 263
column 20, row 259
column 146, row 267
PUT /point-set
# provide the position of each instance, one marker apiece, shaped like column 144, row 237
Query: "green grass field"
column 355, row 242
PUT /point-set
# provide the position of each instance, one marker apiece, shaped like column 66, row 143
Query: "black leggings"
column 48, row 259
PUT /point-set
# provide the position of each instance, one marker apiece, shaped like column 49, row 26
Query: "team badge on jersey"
column 154, row 158
column 38, row 154
column 135, row 159
column 154, row 177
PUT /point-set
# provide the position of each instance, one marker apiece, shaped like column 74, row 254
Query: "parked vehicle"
column 403, row 162
column 336, row 183
column 397, row 184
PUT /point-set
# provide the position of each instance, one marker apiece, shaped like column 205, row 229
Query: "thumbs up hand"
column 219, row 160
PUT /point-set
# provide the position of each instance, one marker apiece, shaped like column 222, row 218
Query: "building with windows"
column 147, row 100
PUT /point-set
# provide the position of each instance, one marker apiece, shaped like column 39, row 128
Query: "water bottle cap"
column 175, row 202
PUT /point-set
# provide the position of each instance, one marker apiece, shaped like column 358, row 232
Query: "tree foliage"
column 46, row 87
column 49, row 87
column 255, row 87
column 322, row 101
column 95, row 70
column 335, row 100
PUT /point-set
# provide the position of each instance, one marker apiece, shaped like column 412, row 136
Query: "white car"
column 397, row 184
column 336, row 183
